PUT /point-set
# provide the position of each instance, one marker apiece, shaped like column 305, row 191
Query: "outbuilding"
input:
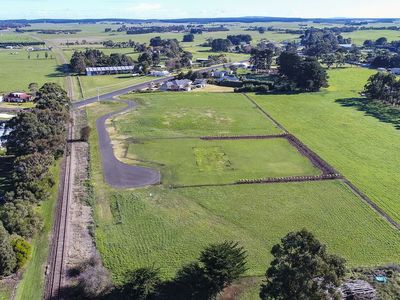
column 18, row 97
column 93, row 71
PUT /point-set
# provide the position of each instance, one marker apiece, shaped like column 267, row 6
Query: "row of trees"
column 301, row 269
column 96, row 58
column 383, row 87
column 36, row 138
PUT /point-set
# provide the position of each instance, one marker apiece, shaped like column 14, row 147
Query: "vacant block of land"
column 196, row 161
column 193, row 115
column 359, row 146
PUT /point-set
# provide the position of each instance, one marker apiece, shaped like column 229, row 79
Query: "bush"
column 85, row 133
column 20, row 218
column 22, row 250
column 8, row 261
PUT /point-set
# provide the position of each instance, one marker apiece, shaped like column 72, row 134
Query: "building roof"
column 105, row 69
column 19, row 95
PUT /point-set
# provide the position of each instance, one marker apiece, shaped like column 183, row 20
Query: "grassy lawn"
column 358, row 37
column 32, row 284
column 17, row 71
column 194, row 161
column 167, row 228
column 361, row 147
column 192, row 114
column 109, row 83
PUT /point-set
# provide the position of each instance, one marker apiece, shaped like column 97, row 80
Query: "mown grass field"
column 194, row 161
column 17, row 71
column 91, row 85
column 192, row 114
column 167, row 228
column 361, row 147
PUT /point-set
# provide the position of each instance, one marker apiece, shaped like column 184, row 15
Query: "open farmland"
column 168, row 227
column 193, row 115
column 17, row 71
column 361, row 147
column 195, row 161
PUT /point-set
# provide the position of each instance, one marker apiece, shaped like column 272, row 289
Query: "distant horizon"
column 226, row 18
column 175, row 9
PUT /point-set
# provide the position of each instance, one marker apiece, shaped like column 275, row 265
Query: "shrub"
column 22, row 250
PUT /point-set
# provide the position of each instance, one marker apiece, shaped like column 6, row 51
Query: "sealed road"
column 116, row 173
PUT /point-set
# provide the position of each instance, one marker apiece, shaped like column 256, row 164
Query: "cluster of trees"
column 188, row 38
column 386, row 60
column 240, row 38
column 301, row 269
column 321, row 41
column 307, row 73
column 36, row 138
column 383, row 87
column 221, row 45
column 177, row 58
column 151, row 29
column 127, row 44
column 96, row 58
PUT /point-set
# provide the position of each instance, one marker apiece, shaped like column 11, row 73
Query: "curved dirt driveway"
column 116, row 173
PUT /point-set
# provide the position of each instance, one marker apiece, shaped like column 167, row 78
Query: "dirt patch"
column 80, row 247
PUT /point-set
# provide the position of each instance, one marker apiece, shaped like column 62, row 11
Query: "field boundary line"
column 329, row 169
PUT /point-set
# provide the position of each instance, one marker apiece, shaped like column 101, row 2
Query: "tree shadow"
column 383, row 112
column 61, row 71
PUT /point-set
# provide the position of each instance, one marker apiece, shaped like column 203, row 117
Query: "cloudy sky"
column 167, row 9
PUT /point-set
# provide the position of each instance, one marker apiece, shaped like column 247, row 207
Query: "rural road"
column 116, row 173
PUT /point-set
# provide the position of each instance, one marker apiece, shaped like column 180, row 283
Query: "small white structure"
column 220, row 74
column 177, row 85
column 159, row 73
column 1, row 98
column 381, row 69
column 346, row 46
column 241, row 65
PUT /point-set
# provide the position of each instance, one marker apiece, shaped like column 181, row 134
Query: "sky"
column 169, row 9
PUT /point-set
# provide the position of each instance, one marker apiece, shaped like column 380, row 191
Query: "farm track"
column 56, row 260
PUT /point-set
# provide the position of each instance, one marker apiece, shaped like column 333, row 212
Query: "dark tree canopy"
column 383, row 87
column 320, row 41
column 308, row 74
column 142, row 284
column 261, row 59
column 302, row 269
column 221, row 45
column 187, row 38
column 240, row 38
column 8, row 261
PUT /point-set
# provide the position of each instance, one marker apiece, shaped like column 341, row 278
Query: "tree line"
column 36, row 138
column 301, row 268
column 96, row 58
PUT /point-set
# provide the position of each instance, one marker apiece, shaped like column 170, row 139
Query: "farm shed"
column 93, row 71
column 357, row 290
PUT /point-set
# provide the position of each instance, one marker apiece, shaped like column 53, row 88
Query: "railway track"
column 56, row 262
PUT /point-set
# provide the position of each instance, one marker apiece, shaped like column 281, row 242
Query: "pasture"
column 195, row 161
column 192, row 115
column 168, row 227
column 18, row 71
column 359, row 146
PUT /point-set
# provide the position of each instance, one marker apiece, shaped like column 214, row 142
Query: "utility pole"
column 98, row 94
